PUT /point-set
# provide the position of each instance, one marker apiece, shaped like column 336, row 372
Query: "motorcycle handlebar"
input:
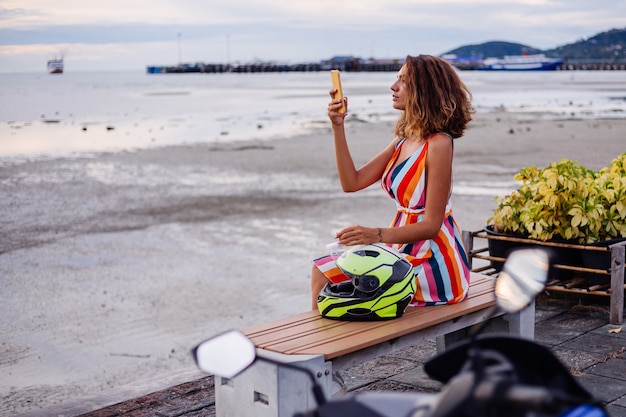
column 526, row 396
column 532, row 397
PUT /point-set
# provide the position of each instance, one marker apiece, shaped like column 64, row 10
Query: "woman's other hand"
column 359, row 235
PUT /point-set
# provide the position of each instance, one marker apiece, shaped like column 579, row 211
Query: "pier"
column 350, row 64
column 347, row 64
column 593, row 65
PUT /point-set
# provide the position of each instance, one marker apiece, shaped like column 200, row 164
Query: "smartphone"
column 336, row 79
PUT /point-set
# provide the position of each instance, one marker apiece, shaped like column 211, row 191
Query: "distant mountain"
column 605, row 45
column 496, row 49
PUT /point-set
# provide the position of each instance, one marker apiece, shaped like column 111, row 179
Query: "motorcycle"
column 487, row 375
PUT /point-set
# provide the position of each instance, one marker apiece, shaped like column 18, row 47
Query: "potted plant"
column 565, row 202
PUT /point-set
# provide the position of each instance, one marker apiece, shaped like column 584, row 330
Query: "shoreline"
column 115, row 264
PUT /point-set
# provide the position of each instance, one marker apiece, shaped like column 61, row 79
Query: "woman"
column 416, row 171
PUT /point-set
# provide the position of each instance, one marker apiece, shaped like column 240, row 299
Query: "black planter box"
column 501, row 244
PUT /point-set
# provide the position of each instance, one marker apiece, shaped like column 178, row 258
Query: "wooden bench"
column 326, row 346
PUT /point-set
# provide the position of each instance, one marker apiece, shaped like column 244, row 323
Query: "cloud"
column 114, row 33
column 10, row 14
column 294, row 29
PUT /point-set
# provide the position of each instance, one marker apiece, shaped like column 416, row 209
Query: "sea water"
column 54, row 115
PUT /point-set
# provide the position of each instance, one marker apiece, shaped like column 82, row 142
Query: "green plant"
column 566, row 201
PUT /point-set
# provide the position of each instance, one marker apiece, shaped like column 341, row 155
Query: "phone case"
column 336, row 79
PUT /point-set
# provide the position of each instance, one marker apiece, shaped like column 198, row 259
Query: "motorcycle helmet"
column 381, row 285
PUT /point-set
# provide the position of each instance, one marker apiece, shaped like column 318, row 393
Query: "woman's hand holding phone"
column 338, row 91
column 338, row 106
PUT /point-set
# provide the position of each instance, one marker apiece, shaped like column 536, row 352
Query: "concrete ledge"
column 114, row 396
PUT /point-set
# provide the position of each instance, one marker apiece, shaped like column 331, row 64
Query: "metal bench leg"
column 522, row 324
column 272, row 390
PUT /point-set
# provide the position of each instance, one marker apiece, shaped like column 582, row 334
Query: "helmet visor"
column 365, row 283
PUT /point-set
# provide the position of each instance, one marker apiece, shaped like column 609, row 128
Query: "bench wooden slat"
column 309, row 333
column 353, row 337
column 284, row 322
column 304, row 323
column 479, row 284
column 311, row 322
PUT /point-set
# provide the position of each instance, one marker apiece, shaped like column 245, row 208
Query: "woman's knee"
column 317, row 277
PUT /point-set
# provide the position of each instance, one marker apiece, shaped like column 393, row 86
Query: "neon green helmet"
column 381, row 285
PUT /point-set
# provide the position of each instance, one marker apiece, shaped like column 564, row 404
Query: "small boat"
column 536, row 62
column 55, row 66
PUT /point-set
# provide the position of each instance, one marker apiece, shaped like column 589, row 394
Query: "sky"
column 132, row 34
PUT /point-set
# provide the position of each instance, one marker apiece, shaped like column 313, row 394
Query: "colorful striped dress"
column 441, row 266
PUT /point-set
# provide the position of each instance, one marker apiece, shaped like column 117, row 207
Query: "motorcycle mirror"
column 523, row 277
column 226, row 355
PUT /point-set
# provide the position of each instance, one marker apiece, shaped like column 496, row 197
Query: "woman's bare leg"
column 318, row 281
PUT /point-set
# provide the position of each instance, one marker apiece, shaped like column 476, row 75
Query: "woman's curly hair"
column 436, row 99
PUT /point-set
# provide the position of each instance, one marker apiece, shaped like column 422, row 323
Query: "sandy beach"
column 113, row 266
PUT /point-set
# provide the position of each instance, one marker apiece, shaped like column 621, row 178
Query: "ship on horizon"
column 55, row 66
column 525, row 62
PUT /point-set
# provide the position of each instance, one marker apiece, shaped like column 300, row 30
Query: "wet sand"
column 114, row 266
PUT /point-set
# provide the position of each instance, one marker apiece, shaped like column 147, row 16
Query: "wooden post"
column 468, row 242
column 617, row 284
